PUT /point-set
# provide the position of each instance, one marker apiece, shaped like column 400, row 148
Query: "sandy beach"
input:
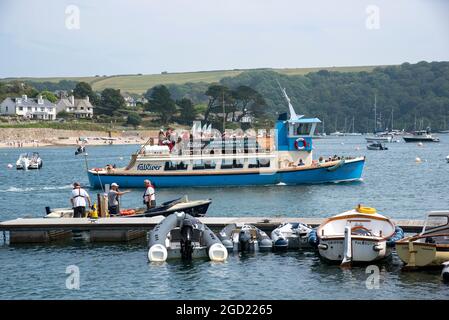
column 31, row 137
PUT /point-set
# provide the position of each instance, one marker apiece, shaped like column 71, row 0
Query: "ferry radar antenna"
column 293, row 115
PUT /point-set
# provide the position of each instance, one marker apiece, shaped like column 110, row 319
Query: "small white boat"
column 291, row 235
column 244, row 238
column 337, row 134
column 29, row 161
column 447, row 159
column 359, row 235
column 374, row 139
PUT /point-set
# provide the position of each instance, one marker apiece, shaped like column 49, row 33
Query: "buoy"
column 418, row 160
column 357, row 148
column 420, row 144
column 9, row 165
column 121, row 158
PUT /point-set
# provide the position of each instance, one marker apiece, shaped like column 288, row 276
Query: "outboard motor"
column 244, row 240
column 186, row 240
column 445, row 272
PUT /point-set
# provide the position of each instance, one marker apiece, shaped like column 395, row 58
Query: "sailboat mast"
column 353, row 125
column 224, row 115
column 375, row 113
column 392, row 127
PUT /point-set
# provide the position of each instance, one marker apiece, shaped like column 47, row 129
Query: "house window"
column 20, row 108
column 42, row 109
column 6, row 109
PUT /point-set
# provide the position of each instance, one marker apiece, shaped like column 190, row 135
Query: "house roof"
column 32, row 102
column 83, row 103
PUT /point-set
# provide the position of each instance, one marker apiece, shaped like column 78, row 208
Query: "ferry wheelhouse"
column 285, row 156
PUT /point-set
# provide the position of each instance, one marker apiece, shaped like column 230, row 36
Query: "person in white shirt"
column 79, row 200
column 149, row 196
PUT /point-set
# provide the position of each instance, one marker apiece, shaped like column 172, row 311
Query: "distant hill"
column 141, row 83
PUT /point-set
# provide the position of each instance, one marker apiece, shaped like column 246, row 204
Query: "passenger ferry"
column 285, row 157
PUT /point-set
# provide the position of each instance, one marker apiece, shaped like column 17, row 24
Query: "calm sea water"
column 393, row 183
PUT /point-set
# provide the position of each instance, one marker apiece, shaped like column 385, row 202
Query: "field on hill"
column 141, row 83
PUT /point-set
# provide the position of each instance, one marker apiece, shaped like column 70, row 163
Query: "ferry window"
column 302, row 128
column 227, row 164
column 170, row 165
column 198, row 165
column 209, row 164
column 182, row 166
column 253, row 163
column 435, row 222
column 238, row 163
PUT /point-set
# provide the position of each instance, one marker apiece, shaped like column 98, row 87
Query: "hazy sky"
column 42, row 38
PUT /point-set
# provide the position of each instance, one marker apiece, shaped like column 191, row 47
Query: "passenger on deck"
column 149, row 196
column 78, row 200
column 161, row 137
column 113, row 199
column 301, row 163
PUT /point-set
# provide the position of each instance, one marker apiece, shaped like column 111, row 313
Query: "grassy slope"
column 140, row 83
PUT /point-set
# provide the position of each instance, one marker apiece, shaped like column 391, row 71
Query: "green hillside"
column 141, row 83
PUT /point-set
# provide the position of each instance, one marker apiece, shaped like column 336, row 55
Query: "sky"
column 104, row 37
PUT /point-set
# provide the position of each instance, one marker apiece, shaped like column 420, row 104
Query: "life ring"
column 367, row 210
column 127, row 212
column 302, row 141
column 97, row 169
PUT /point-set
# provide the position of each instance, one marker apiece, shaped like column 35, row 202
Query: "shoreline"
column 14, row 138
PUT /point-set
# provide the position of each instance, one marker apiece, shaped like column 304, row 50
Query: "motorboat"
column 378, row 139
column 376, row 146
column 429, row 248
column 337, row 134
column 28, row 161
column 245, row 238
column 181, row 235
column 421, row 136
column 291, row 235
column 196, row 208
column 358, row 235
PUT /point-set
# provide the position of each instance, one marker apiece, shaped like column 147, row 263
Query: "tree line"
column 409, row 96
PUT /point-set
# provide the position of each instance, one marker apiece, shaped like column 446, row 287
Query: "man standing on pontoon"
column 78, row 200
column 149, row 196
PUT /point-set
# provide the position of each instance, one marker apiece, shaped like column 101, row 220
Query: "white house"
column 30, row 108
column 79, row 108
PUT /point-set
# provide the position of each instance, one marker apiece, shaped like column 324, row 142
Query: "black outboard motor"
column 244, row 240
column 186, row 240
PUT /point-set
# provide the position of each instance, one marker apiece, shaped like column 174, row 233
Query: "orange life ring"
column 127, row 212
column 302, row 141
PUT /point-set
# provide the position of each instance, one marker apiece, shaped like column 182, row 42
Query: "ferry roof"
column 305, row 120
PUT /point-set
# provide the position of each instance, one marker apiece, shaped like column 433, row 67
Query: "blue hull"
column 346, row 172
